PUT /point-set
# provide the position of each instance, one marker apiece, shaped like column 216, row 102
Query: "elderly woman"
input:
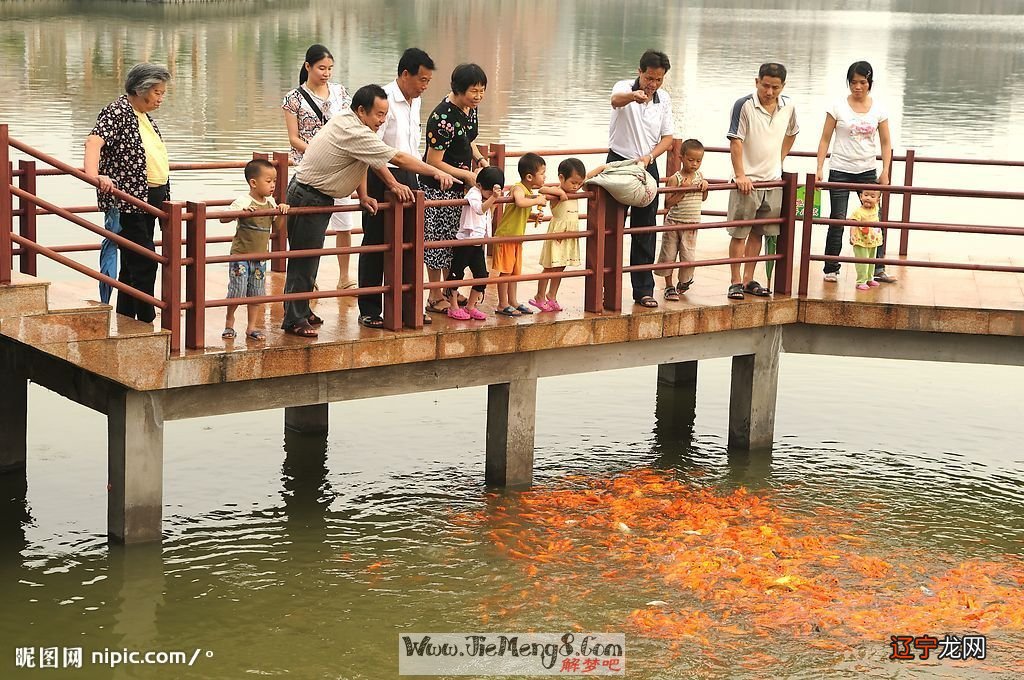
column 125, row 151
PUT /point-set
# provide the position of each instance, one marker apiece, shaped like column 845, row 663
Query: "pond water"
column 297, row 556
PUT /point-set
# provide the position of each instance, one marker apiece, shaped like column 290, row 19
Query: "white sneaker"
column 832, row 277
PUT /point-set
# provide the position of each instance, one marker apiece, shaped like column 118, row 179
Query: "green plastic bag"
column 800, row 199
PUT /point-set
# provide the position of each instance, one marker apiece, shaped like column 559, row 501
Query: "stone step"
column 23, row 296
column 137, row 360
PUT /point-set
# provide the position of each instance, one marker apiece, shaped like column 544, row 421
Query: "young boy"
column 508, row 257
column 684, row 208
column 247, row 278
column 475, row 222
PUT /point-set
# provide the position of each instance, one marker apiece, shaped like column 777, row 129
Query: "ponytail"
column 314, row 54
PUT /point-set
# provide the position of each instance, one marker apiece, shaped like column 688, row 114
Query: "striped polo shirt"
column 762, row 134
column 336, row 159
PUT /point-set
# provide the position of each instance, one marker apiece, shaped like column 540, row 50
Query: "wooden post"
column 412, row 262
column 908, row 180
column 195, row 276
column 805, row 240
column 6, row 207
column 614, row 226
column 170, row 279
column 27, row 221
column 593, row 295
column 393, row 237
column 279, row 242
column 785, row 244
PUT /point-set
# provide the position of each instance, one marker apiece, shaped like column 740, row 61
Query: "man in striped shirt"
column 762, row 130
column 335, row 165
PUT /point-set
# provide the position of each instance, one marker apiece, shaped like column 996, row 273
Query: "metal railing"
column 185, row 224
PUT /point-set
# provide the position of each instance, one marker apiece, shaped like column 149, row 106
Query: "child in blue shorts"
column 247, row 278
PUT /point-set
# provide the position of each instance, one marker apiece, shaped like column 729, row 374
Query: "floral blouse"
column 122, row 156
column 338, row 101
column 450, row 130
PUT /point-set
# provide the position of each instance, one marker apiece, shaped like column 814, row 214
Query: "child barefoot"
column 865, row 240
column 508, row 257
column 557, row 254
column 475, row 222
column 247, row 278
column 684, row 208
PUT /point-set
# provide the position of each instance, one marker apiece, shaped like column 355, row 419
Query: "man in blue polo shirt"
column 641, row 130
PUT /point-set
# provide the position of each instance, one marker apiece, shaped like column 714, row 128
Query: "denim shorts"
column 247, row 278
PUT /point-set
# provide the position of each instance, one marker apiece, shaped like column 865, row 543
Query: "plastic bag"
column 628, row 183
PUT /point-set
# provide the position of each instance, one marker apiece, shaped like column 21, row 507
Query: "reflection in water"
column 15, row 513
column 307, row 494
column 675, row 412
column 139, row 573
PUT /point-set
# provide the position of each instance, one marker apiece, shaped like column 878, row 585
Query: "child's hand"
column 250, row 208
column 283, row 207
column 541, row 199
column 497, row 190
column 703, row 185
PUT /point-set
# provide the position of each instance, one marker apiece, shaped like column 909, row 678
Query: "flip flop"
column 345, row 285
column 647, row 301
column 301, row 330
column 523, row 309
column 509, row 311
column 256, row 335
column 229, row 334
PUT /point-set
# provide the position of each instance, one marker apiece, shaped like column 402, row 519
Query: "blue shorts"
column 247, row 278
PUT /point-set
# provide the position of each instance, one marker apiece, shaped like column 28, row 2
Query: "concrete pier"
column 135, row 461
column 755, row 383
column 511, row 417
column 13, row 415
column 307, row 419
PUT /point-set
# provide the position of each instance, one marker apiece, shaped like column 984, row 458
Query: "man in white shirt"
column 401, row 130
column 762, row 130
column 641, row 129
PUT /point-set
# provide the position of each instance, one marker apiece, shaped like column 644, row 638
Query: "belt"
column 312, row 190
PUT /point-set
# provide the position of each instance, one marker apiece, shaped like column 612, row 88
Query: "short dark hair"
column 868, row 186
column 772, row 70
column 692, row 145
column 255, row 168
column 466, row 76
column 654, row 59
column 366, row 96
column 490, row 176
column 529, row 164
column 412, row 59
column 860, row 68
column 571, row 166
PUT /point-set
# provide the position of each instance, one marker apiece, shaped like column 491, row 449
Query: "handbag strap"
column 313, row 105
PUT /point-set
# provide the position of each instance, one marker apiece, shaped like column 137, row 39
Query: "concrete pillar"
column 135, row 455
column 755, row 382
column 13, row 418
column 312, row 418
column 511, row 417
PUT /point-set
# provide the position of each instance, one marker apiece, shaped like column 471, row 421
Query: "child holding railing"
column 866, row 239
column 474, row 222
column 247, row 278
column 557, row 254
column 683, row 208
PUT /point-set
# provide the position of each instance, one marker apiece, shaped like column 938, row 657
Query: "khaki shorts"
column 758, row 204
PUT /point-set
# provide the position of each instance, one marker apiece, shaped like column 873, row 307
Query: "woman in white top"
column 306, row 109
column 859, row 124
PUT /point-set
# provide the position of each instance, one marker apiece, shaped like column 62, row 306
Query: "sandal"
column 314, row 320
column 755, row 288
column 736, row 291
column 671, row 294
column 427, row 320
column 432, row 307
column 682, row 287
column 476, row 314
column 882, row 277
column 301, row 330
column 229, row 334
column 509, row 311
column 346, row 284
column 256, row 335
column 523, row 309
column 647, row 301
column 458, row 313
column 553, row 306
column 368, row 321
column 542, row 305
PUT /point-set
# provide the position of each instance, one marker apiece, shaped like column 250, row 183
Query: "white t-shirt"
column 856, row 136
column 474, row 222
column 635, row 129
column 401, row 129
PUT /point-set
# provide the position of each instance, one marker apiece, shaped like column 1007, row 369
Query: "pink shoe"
column 553, row 306
column 476, row 314
column 542, row 305
column 458, row 313
column 863, row 286
column 873, row 283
